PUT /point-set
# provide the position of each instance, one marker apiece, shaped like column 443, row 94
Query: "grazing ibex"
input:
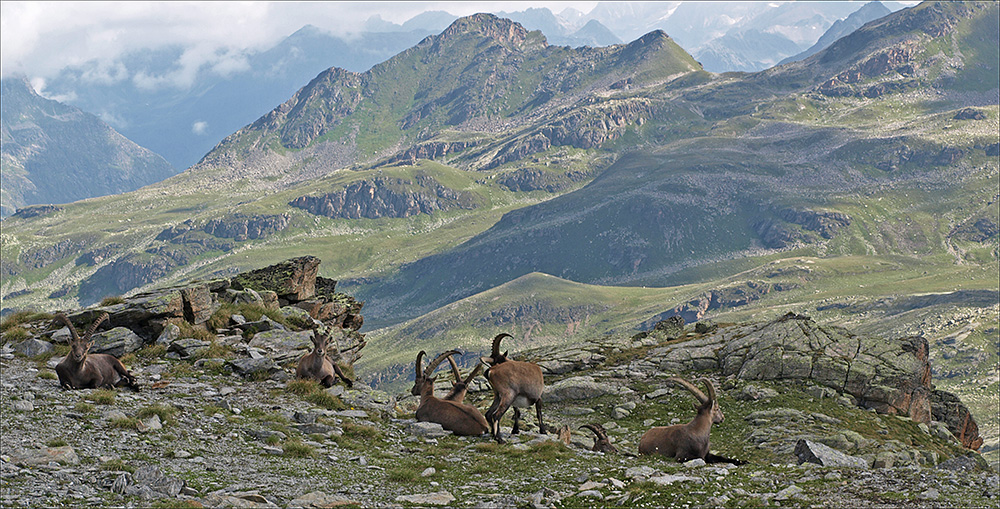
column 601, row 442
column 686, row 441
column 315, row 365
column 459, row 386
column 459, row 418
column 515, row 383
column 80, row 370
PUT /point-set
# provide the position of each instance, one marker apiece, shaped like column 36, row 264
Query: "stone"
column 33, row 347
column 24, row 406
column 264, row 367
column 436, row 498
column 576, row 388
column 320, row 499
column 640, row 472
column 429, row 471
column 426, row 429
column 45, row 455
column 171, row 332
column 756, row 393
column 813, row 452
column 188, row 347
column 117, row 342
column 789, row 493
column 293, row 280
column 198, row 306
column 971, row 462
column 668, row 479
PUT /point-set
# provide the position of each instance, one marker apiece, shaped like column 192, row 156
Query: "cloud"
column 42, row 39
column 199, row 127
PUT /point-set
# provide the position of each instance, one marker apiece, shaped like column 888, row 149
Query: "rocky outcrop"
column 432, row 150
column 793, row 225
column 534, row 179
column 949, row 409
column 387, row 197
column 241, row 227
column 728, row 297
column 36, row 210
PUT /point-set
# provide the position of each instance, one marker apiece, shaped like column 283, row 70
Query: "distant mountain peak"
column 502, row 30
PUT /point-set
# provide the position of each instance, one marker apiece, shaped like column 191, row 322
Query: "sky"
column 38, row 39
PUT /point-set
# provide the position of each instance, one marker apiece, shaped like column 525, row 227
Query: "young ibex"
column 459, row 418
column 686, row 441
column 315, row 365
column 515, row 383
column 459, row 386
column 80, row 370
column 601, row 442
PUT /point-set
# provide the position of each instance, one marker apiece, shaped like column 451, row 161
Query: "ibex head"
column 320, row 341
column 495, row 356
column 80, row 346
column 704, row 402
column 422, row 377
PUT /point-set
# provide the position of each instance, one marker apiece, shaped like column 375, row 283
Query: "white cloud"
column 199, row 127
column 40, row 38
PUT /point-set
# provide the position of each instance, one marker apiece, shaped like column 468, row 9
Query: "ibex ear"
column 486, row 360
column 90, row 344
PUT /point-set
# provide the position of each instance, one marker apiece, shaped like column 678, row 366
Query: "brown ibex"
column 459, row 386
column 601, row 441
column 686, row 441
column 459, row 418
column 315, row 365
column 80, row 370
column 515, row 383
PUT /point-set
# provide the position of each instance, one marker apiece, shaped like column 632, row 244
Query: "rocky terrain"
column 816, row 415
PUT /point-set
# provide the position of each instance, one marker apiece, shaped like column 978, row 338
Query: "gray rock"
column 320, row 499
column 668, row 479
column 33, row 347
column 188, row 347
column 436, row 498
column 583, row 387
column 45, row 455
column 640, row 472
column 170, row 334
column 813, row 452
column 24, row 406
column 756, row 393
column 255, row 367
column 789, row 493
column 971, row 462
column 117, row 342
column 426, row 429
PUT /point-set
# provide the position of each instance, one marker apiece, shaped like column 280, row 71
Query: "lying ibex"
column 515, row 383
column 601, row 442
column 80, row 370
column 453, row 416
column 315, row 365
column 686, row 441
column 459, row 386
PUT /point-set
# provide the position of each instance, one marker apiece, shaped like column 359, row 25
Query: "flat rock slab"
column 436, row 498
column 813, row 452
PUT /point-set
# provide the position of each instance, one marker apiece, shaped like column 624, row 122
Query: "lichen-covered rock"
column 293, row 280
column 813, row 452
column 33, row 347
column 577, row 388
column 117, row 342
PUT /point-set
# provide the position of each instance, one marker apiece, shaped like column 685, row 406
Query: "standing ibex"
column 459, row 386
column 80, row 370
column 515, row 383
column 453, row 416
column 686, row 441
column 315, row 365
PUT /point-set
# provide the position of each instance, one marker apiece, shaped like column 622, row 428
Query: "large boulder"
column 293, row 280
column 117, row 342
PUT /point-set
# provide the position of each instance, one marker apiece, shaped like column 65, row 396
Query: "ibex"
column 601, row 442
column 459, row 418
column 80, row 370
column 315, row 365
column 459, row 386
column 686, row 441
column 515, row 383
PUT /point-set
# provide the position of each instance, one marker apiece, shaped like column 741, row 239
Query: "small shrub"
column 103, row 396
column 56, row 442
column 297, row 449
column 111, row 300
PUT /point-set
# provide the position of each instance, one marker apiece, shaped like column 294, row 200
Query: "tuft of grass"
column 402, row 474
column 360, row 431
column 215, row 350
column 297, row 449
column 165, row 412
column 124, row 423
column 103, row 397
column 150, row 352
column 22, row 317
column 325, row 400
column 16, row 333
column 117, row 466
column 84, row 408
column 176, row 504
column 197, row 332
column 47, row 375
column 111, row 300
column 302, row 387
column 272, row 440
column 56, row 442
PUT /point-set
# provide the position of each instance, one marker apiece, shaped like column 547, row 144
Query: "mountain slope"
column 842, row 27
column 55, row 153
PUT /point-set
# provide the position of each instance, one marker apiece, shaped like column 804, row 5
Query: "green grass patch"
column 297, row 449
column 164, row 412
column 21, row 317
column 102, row 397
column 302, row 387
column 130, row 423
column 325, row 400
column 116, row 465
column 150, row 352
column 47, row 375
column 112, row 300
column 56, row 442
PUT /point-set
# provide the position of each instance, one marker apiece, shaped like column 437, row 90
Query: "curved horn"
column 691, row 388
column 475, row 372
column 597, row 429
column 95, row 325
column 72, row 330
column 419, row 370
column 710, row 386
column 454, row 369
column 496, row 343
column 438, row 360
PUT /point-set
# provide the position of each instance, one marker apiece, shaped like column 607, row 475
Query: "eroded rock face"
column 292, row 280
column 386, row 197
